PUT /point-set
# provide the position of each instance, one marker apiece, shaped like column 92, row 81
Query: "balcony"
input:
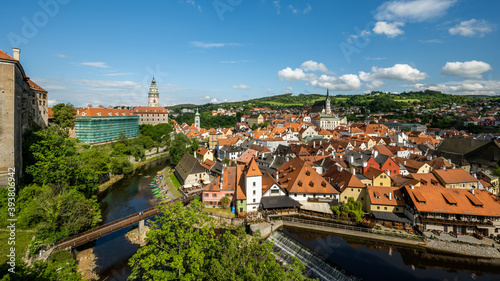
column 453, row 222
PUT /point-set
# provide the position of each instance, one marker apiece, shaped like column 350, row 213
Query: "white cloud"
column 294, row 11
column 307, row 9
column 376, row 58
column 205, row 45
column 241, row 86
column 374, row 84
column 346, row 82
column 96, row 64
column 214, row 100
column 311, row 65
column 400, row 72
column 412, row 11
column 62, row 56
column 432, row 41
column 51, row 102
column 234, row 61
column 205, row 98
column 286, row 90
column 119, row 74
column 472, row 27
column 293, row 75
column 194, row 4
column 391, row 30
column 466, row 87
column 277, row 6
column 469, row 69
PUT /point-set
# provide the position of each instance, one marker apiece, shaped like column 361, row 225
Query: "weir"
column 315, row 264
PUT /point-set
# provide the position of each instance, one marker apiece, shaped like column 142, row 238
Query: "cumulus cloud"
column 307, row 9
column 311, row 65
column 469, row 69
column 294, row 11
column 391, row 30
column 287, row 90
column 412, row 11
column 293, row 75
column 205, row 45
column 472, row 28
column 96, row 64
column 51, row 102
column 400, row 72
column 466, row 87
column 241, row 86
column 346, row 82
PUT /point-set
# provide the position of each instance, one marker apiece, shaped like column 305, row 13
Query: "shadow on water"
column 377, row 261
column 127, row 196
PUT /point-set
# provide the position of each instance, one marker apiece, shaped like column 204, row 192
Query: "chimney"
column 389, row 173
column 314, row 144
column 472, row 191
column 277, row 176
column 351, row 159
column 375, row 153
column 222, row 176
column 412, row 186
column 365, row 164
column 353, row 171
column 429, row 157
column 16, row 52
column 390, row 196
column 404, row 163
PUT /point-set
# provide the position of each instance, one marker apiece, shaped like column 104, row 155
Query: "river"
column 365, row 259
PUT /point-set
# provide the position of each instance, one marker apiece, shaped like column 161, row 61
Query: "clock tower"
column 153, row 96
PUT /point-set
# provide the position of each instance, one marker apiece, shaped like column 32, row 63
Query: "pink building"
column 215, row 191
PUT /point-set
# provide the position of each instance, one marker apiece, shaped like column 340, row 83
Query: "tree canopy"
column 182, row 245
column 64, row 115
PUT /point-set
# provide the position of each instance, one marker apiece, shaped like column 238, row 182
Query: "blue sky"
column 106, row 52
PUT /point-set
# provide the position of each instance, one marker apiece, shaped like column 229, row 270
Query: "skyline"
column 107, row 53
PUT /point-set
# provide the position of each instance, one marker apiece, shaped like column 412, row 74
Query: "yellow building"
column 255, row 119
column 384, row 199
column 377, row 178
column 203, row 154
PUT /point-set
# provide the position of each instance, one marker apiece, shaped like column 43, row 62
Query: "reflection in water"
column 128, row 196
column 375, row 261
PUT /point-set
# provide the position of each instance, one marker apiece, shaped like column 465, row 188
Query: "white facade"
column 253, row 188
column 305, row 196
column 274, row 191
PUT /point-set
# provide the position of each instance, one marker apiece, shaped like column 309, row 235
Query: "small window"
column 378, row 207
column 385, row 208
column 254, row 192
column 254, row 201
column 253, row 183
column 214, row 195
column 304, row 195
column 206, row 194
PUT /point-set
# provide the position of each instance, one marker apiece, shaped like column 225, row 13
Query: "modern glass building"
column 94, row 125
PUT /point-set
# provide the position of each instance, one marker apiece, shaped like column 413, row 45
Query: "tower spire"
column 153, row 95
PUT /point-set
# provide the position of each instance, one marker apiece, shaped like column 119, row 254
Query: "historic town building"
column 93, row 125
column 152, row 114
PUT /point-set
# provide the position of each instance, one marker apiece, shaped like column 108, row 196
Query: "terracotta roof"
column 426, row 179
column 253, row 169
column 298, row 177
column 5, row 56
column 247, row 156
column 208, row 164
column 454, row 176
column 442, row 200
column 267, row 182
column 50, row 113
column 35, row 86
column 382, row 149
column 103, row 112
column 344, row 179
column 202, row 150
column 379, row 195
column 372, row 173
column 149, row 109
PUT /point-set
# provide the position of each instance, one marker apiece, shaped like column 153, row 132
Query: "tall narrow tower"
column 197, row 120
column 328, row 110
column 153, row 97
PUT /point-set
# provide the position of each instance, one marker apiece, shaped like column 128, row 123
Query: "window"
column 253, row 183
column 254, row 192
column 241, row 210
column 385, row 208
column 214, row 195
column 378, row 207
column 254, row 201
column 352, row 189
column 304, row 195
column 397, row 209
column 345, row 197
column 206, row 194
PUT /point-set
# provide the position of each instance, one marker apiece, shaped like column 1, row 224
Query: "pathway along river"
column 365, row 259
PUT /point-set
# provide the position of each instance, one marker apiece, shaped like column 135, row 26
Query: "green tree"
column 225, row 201
column 64, row 115
column 352, row 208
column 180, row 145
column 182, row 245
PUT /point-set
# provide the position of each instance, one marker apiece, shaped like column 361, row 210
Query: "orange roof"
column 379, row 195
column 103, row 112
column 298, row 177
column 35, row 86
column 202, row 150
column 344, row 179
column 208, row 164
column 454, row 176
column 372, row 173
column 455, row 201
column 50, row 113
column 426, row 179
column 247, row 156
column 5, row 56
column 253, row 169
column 149, row 109
column 267, row 182
column 382, row 149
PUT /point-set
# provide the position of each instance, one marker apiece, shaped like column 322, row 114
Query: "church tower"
column 153, row 97
column 197, row 120
column 328, row 110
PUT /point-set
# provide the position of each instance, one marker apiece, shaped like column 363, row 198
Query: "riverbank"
column 87, row 265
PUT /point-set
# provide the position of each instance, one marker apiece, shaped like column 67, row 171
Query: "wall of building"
column 305, row 196
column 359, row 194
column 386, row 208
column 90, row 129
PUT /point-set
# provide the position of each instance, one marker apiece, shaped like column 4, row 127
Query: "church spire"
column 153, row 95
column 328, row 109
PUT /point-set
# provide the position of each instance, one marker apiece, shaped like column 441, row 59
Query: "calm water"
column 130, row 195
column 365, row 259
column 374, row 261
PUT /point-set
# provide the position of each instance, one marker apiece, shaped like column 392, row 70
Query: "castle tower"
column 197, row 120
column 328, row 110
column 153, row 96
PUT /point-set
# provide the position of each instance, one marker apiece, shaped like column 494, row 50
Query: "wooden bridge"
column 113, row 226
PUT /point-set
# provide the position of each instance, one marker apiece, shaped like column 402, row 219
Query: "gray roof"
column 188, row 165
column 275, row 202
column 461, row 145
column 390, row 216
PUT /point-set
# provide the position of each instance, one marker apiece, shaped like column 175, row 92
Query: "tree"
column 351, row 208
column 180, row 145
column 225, row 201
column 182, row 245
column 64, row 115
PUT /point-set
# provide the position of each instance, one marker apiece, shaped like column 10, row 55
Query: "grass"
column 23, row 239
column 220, row 212
column 173, row 184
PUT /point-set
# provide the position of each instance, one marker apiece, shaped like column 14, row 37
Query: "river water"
column 365, row 259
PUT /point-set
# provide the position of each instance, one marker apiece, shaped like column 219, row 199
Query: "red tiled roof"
column 379, row 195
column 103, row 112
column 454, row 176
column 5, row 56
column 35, row 86
column 149, row 109
column 253, row 169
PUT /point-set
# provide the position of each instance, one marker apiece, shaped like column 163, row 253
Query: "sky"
column 106, row 52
